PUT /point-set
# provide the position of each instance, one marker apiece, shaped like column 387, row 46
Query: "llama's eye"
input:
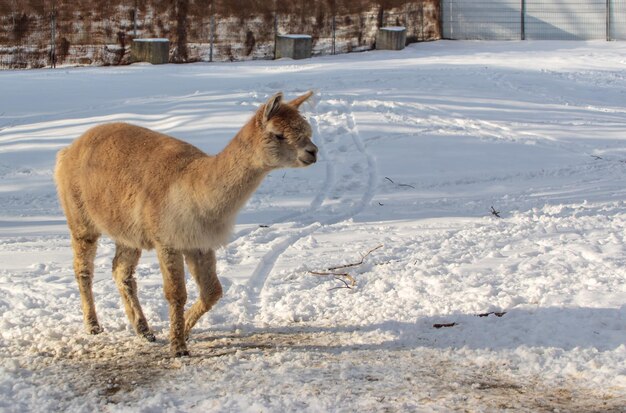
column 279, row 137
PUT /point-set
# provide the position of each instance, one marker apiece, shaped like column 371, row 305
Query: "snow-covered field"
column 416, row 147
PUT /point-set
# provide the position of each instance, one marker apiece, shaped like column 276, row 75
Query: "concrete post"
column 391, row 38
column 294, row 46
column 155, row 51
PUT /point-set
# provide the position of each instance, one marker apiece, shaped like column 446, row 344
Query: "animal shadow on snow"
column 549, row 327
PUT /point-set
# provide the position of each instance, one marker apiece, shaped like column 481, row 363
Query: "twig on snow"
column 356, row 263
column 494, row 212
column 444, row 325
column 346, row 285
column 338, row 277
column 405, row 185
column 497, row 314
column 348, row 280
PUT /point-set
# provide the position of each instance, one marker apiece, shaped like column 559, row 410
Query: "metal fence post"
column 53, row 37
column 211, row 31
column 135, row 21
column 275, row 29
column 450, row 20
column 608, row 20
column 523, row 21
column 334, row 25
column 421, row 17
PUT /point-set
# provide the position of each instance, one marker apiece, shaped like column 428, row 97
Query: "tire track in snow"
column 372, row 176
column 306, row 227
column 259, row 276
column 328, row 181
column 429, row 119
column 265, row 266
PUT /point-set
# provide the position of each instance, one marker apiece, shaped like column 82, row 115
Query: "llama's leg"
column 84, row 253
column 202, row 267
column 124, row 265
column 173, row 270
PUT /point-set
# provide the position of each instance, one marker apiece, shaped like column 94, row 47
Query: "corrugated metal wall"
column 565, row 19
column 618, row 19
column 481, row 20
column 533, row 19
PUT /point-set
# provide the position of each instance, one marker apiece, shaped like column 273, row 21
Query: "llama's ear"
column 301, row 99
column 272, row 105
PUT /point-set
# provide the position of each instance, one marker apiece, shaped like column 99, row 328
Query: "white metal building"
column 534, row 19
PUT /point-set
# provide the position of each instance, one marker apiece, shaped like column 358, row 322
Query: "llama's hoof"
column 94, row 329
column 181, row 353
column 149, row 336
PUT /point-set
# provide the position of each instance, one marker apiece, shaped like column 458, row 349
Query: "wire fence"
column 229, row 39
column 68, row 37
column 534, row 19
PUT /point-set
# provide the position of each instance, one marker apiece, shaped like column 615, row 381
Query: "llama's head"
column 285, row 133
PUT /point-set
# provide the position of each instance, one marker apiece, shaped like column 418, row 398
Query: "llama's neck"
column 231, row 177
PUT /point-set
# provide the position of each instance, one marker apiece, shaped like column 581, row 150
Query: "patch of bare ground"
column 394, row 377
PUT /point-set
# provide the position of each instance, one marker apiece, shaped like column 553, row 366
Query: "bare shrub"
column 250, row 42
column 249, row 34
column 63, row 49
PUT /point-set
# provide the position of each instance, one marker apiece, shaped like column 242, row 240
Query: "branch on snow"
column 491, row 312
column 405, row 185
column 494, row 212
column 348, row 280
column 497, row 314
column 444, row 325
column 356, row 263
column 343, row 277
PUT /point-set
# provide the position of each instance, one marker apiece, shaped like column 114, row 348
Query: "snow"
column 158, row 40
column 394, row 28
column 416, row 146
column 296, row 36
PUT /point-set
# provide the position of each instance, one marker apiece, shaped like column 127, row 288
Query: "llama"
column 148, row 190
